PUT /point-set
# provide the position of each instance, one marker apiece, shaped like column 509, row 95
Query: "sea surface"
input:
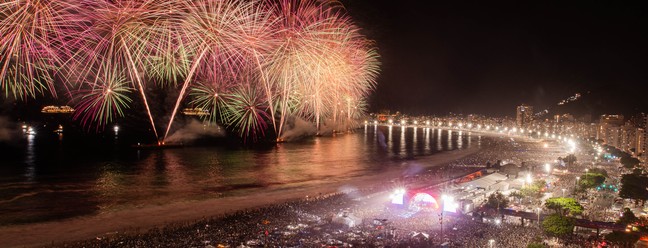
column 52, row 176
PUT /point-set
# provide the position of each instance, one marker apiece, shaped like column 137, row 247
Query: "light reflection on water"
column 63, row 185
column 438, row 141
column 29, row 158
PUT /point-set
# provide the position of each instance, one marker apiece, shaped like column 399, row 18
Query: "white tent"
column 347, row 219
column 420, row 234
column 486, row 182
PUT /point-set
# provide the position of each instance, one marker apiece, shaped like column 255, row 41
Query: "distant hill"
column 605, row 100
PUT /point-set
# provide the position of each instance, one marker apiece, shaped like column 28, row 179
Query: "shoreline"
column 134, row 220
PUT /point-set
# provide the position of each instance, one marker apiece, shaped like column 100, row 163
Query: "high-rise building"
column 644, row 141
column 612, row 120
column 564, row 118
column 632, row 138
column 608, row 129
column 627, row 137
column 524, row 115
column 640, row 139
column 612, row 136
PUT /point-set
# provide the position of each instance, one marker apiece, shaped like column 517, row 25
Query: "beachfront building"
column 524, row 115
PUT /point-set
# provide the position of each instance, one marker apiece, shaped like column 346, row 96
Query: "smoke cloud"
column 296, row 128
column 193, row 130
column 7, row 129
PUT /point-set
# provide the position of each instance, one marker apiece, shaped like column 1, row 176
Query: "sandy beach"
column 146, row 217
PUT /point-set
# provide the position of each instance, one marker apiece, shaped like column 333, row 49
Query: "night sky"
column 486, row 58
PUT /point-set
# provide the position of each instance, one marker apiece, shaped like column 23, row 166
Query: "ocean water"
column 51, row 177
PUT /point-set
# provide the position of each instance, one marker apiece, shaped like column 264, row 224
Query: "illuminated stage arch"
column 422, row 200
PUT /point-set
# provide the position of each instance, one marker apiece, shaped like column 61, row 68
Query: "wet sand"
column 146, row 217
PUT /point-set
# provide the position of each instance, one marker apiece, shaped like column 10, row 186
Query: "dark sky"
column 487, row 57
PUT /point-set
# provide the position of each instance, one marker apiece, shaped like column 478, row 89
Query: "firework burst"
column 246, row 111
column 252, row 64
column 104, row 100
column 31, row 30
column 212, row 28
column 119, row 34
column 211, row 91
column 169, row 59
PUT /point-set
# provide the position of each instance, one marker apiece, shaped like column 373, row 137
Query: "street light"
column 577, row 179
column 443, row 202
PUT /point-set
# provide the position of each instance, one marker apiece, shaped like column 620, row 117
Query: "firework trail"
column 120, row 34
column 363, row 64
column 258, row 36
column 210, row 28
column 301, row 27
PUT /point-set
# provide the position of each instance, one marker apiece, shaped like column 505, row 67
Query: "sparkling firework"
column 307, row 67
column 211, row 91
column 169, row 58
column 247, row 111
column 30, row 29
column 212, row 30
column 252, row 64
column 107, row 99
column 120, row 34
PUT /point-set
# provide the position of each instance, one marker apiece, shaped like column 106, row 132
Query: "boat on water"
column 159, row 145
column 59, row 130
